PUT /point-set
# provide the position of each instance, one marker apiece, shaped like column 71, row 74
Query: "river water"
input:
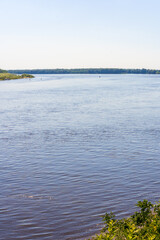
column 73, row 147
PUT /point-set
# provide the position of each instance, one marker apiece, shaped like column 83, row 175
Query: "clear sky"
column 79, row 34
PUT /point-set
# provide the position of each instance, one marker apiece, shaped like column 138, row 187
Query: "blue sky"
column 79, row 34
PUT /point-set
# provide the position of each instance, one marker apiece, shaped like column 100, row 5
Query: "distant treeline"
column 3, row 71
column 87, row 71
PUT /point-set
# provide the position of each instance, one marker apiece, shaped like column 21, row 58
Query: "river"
column 73, row 147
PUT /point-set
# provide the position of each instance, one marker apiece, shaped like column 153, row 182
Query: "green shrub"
column 144, row 224
column 26, row 76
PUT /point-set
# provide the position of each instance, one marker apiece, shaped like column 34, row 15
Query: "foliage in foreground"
column 144, row 224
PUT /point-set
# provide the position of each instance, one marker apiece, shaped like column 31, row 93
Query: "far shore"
column 86, row 71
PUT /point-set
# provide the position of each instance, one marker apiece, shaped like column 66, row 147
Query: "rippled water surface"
column 73, row 147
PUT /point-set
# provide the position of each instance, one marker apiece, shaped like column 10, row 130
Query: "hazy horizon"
column 79, row 34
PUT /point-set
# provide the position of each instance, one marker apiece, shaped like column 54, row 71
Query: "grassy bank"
column 10, row 76
column 144, row 224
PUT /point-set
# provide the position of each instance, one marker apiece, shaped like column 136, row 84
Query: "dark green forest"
column 86, row 71
column 3, row 71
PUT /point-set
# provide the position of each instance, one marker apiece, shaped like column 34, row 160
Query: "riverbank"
column 10, row 76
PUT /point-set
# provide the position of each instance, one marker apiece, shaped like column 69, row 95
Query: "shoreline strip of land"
column 11, row 76
column 86, row 71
